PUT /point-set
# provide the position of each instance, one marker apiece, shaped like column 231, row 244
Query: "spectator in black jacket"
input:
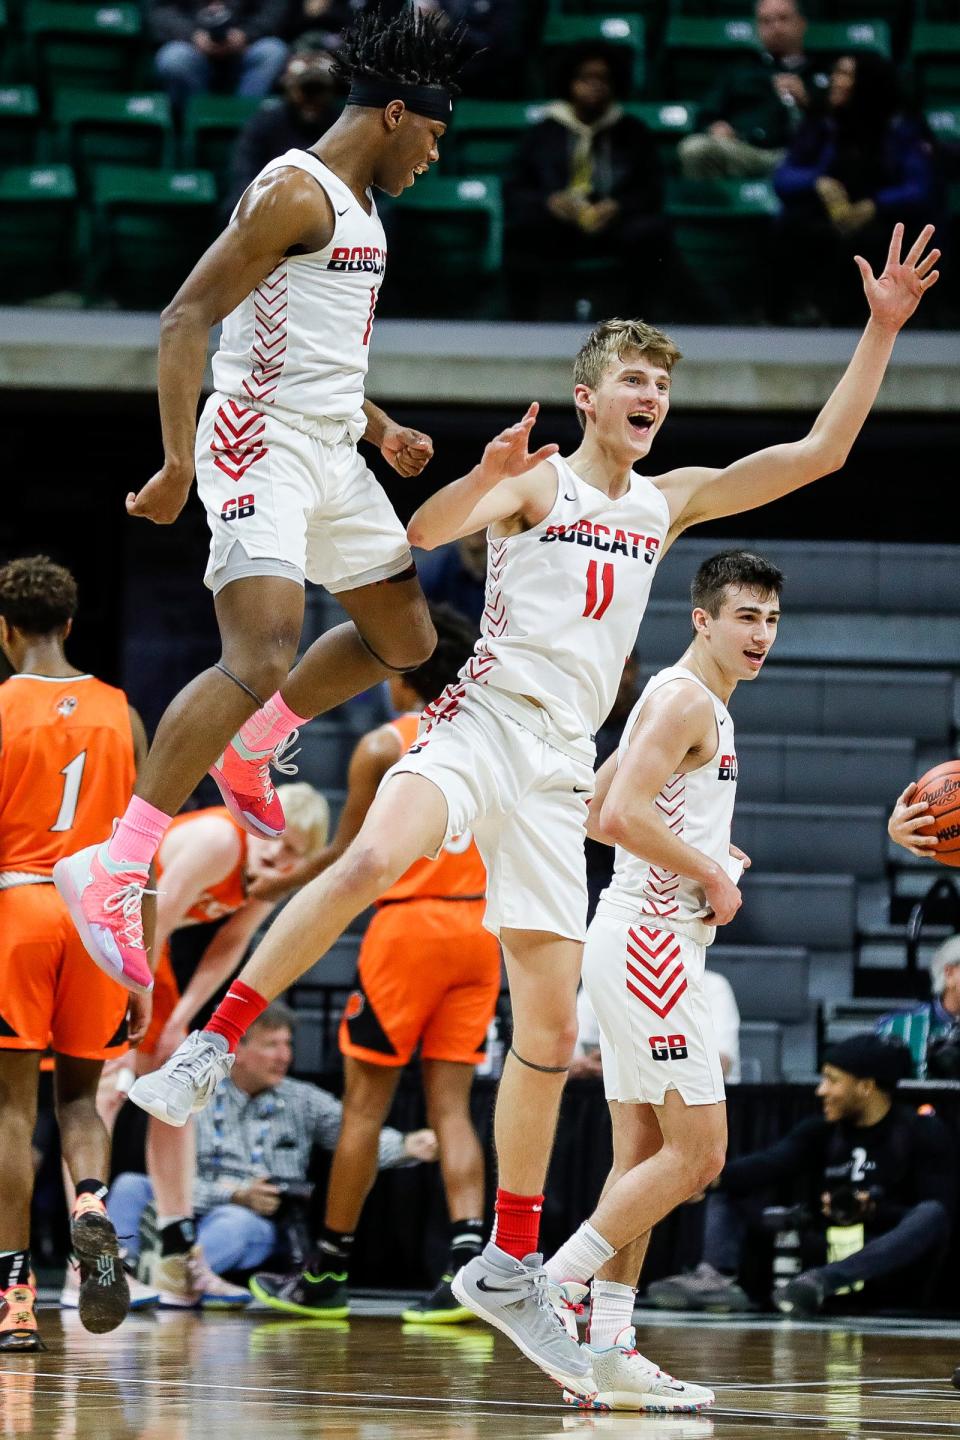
column 586, row 183
column 308, row 108
column 751, row 114
column 880, row 1184
column 230, row 45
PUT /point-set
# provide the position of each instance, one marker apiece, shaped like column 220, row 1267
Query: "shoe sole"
column 458, row 1316
column 574, row 1383
column 245, row 821
column 69, row 891
column 224, row 1302
column 145, row 1302
column 20, row 1342
column 624, row 1400
column 289, row 1307
column 140, row 1094
column 104, row 1293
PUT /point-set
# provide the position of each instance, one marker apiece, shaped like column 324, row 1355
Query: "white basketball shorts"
column 298, row 495
column 524, row 799
column 646, row 987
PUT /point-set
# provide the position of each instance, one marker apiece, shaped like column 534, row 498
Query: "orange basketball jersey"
column 66, row 767
column 457, row 870
column 229, row 893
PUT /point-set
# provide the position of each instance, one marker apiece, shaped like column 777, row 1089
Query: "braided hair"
column 410, row 49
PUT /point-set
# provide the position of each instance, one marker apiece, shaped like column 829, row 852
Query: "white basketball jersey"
column 698, row 808
column 564, row 601
column 301, row 340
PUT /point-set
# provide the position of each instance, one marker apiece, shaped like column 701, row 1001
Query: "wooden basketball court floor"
column 183, row 1376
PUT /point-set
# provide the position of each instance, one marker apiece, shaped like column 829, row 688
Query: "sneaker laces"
column 541, row 1293
column 282, row 762
column 128, row 899
column 191, row 1067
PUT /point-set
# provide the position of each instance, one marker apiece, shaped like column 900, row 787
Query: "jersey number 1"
column 72, row 776
column 599, row 589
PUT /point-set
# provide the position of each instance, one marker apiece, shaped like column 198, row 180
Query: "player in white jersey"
column 295, row 277
column 665, row 799
column 507, row 753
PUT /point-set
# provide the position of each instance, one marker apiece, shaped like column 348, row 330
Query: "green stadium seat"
column 211, row 124
column 669, row 121
column 562, row 32
column 37, row 206
column 935, row 60
column 102, row 128
column 19, row 124
column 697, row 48
column 944, row 122
column 720, row 230
column 826, row 39
column 650, row 10
column 149, row 227
column 484, row 134
column 446, row 236
column 85, row 47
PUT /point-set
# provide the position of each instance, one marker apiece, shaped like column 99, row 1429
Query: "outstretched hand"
column 508, row 453
column 895, row 294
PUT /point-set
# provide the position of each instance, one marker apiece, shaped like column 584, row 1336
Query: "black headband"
column 431, row 101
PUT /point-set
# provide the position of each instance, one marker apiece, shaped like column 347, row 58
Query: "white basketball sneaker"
column 627, row 1380
column 185, row 1084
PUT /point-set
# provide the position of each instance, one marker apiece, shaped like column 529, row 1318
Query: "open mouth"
column 755, row 657
column 421, row 169
column 642, row 421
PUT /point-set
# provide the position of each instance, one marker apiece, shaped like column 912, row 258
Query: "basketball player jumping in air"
column 666, row 799
column 296, row 274
column 507, row 752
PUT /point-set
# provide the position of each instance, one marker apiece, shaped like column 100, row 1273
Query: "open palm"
column 508, row 454
column 895, row 294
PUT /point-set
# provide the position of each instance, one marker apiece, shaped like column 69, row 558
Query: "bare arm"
column 198, row 858
column 283, row 209
column 696, row 493
column 220, row 959
column 509, row 484
column 408, row 451
column 140, row 742
column 675, row 727
column 602, row 782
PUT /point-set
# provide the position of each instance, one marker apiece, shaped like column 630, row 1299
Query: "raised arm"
column 675, row 724
column 283, row 209
column 508, row 485
column 695, row 494
column 194, row 857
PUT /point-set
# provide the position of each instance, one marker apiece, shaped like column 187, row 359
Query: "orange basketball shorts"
column 51, row 993
column 166, row 993
column 428, row 975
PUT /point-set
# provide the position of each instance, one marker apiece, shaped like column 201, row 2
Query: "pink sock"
column 264, row 731
column 138, row 835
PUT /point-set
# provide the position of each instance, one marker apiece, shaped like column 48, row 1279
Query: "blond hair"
column 614, row 340
column 307, row 811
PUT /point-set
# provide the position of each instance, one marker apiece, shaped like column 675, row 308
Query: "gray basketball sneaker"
column 185, row 1084
column 702, row 1289
column 513, row 1297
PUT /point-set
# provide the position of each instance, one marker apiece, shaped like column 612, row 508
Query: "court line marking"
column 830, row 1384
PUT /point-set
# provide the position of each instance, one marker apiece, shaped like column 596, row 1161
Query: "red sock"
column 236, row 1013
column 516, row 1225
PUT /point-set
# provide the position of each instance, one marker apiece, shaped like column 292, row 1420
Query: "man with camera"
column 233, row 46
column 879, row 1183
column 253, row 1152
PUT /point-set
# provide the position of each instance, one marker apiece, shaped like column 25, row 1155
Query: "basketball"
column 939, row 790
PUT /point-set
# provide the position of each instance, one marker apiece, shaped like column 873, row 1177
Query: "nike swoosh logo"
column 343, row 212
column 494, row 1289
column 581, row 790
column 569, row 497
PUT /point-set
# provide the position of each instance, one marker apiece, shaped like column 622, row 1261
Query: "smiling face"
column 843, row 1096
column 741, row 635
column 411, row 146
column 628, row 406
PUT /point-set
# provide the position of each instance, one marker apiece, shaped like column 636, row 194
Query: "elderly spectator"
column 880, row 1192
column 851, row 171
column 252, row 1144
column 925, row 1024
column 233, row 46
column 586, row 185
column 308, row 108
column 751, row 115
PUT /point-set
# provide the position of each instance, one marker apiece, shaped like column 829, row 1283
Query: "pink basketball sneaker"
column 104, row 898
column 243, row 779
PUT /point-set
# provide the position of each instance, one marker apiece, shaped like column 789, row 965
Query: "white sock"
column 611, row 1310
column 579, row 1257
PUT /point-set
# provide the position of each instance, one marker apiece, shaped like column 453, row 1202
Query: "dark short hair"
column 455, row 641
column 37, row 596
column 733, row 567
column 277, row 1016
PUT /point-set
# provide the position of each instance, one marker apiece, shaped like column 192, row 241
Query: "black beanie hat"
column 871, row 1057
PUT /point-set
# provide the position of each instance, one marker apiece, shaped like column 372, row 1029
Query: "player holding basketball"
column 296, row 273
column 69, row 748
column 428, row 976
column 665, row 799
column 573, row 547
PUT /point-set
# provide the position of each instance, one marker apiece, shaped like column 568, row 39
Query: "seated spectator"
column 925, row 1024
column 851, row 172
column 880, row 1189
column 307, row 110
column 750, row 116
column 456, row 575
column 586, row 185
column 726, row 1022
column 324, row 20
column 233, row 47
column 253, row 1144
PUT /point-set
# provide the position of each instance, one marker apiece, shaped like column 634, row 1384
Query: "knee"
column 412, row 641
column 177, row 59
column 130, row 1187
column 546, row 1039
column 263, row 661
column 701, row 1167
column 368, row 868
